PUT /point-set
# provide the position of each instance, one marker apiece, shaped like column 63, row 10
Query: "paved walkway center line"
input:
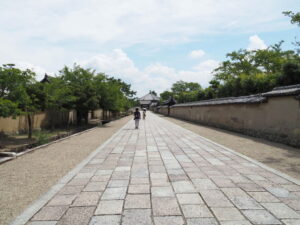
column 163, row 174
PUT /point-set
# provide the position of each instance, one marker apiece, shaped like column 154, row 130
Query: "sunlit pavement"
column 163, row 174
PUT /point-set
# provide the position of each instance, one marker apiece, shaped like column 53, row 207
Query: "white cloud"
column 52, row 33
column 197, row 53
column 156, row 76
column 134, row 21
column 256, row 43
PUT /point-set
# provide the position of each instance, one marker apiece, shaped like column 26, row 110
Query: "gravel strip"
column 26, row 178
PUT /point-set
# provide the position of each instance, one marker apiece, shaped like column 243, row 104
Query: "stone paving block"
column 281, row 211
column 95, row 186
column 250, row 187
column 50, row 213
column 100, row 178
column 139, row 189
column 120, row 175
column 87, row 199
column 162, row 176
column 205, row 184
column 223, row 182
column 279, row 192
column 122, row 168
column 176, row 172
column 291, row 222
column 140, row 173
column 240, row 179
column 157, row 169
column 68, row 190
column 138, row 201
column 256, row 177
column 233, row 192
column 192, row 211
column 260, row 217
column 62, row 200
column 109, row 207
column 84, row 175
column 165, row 207
column 183, row 187
column 162, row 192
column 79, row 181
column 293, row 203
column 114, row 193
column 215, row 198
column 227, row 214
column 106, row 220
column 197, row 175
column 263, row 197
column 184, row 199
column 278, row 180
column 236, row 222
column 118, row 183
column 291, row 187
column 160, row 182
column 135, row 180
column 137, row 217
column 178, row 177
column 202, row 221
column 77, row 216
column 169, row 220
column 245, row 203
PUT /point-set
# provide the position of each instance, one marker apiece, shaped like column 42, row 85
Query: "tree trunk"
column 86, row 118
column 29, row 126
column 79, row 117
column 52, row 120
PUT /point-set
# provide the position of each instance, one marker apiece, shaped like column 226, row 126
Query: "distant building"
column 46, row 79
column 148, row 100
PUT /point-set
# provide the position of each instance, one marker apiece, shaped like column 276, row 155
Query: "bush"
column 42, row 137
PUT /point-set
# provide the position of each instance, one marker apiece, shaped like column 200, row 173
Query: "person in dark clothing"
column 137, row 117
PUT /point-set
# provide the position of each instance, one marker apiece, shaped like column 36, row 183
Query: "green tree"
column 113, row 94
column 80, row 82
column 250, row 72
column 290, row 75
column 58, row 97
column 19, row 94
column 185, row 91
column 164, row 96
column 295, row 17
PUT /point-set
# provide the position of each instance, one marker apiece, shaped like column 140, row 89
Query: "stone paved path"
column 163, row 174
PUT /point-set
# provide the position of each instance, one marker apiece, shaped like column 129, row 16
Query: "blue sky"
column 148, row 43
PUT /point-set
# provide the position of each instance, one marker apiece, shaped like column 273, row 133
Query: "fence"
column 46, row 119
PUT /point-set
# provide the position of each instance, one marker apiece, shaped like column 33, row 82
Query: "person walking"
column 144, row 114
column 137, row 117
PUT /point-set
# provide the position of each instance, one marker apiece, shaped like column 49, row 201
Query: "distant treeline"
column 73, row 88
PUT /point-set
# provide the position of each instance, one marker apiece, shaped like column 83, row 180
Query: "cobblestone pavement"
column 163, row 174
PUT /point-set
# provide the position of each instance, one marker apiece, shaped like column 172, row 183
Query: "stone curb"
column 24, row 217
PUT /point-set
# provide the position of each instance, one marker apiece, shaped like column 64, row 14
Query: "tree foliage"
column 295, row 17
column 74, row 88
